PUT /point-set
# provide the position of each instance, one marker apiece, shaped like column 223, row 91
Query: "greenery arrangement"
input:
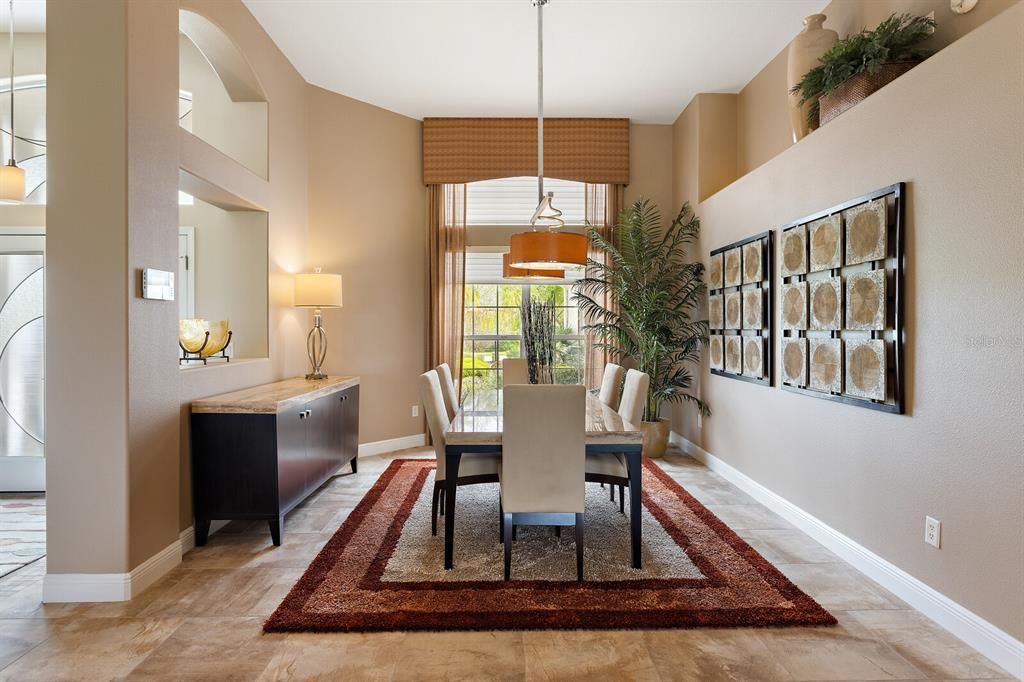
column 655, row 293
column 897, row 39
column 538, row 326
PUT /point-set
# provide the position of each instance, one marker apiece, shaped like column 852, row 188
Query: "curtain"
column 602, row 206
column 446, row 256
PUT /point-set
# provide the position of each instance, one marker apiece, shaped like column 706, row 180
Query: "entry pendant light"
column 12, row 178
column 509, row 272
column 546, row 246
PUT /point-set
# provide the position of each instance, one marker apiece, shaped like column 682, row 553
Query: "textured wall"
column 953, row 129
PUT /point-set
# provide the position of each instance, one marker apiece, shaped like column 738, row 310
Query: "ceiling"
column 642, row 59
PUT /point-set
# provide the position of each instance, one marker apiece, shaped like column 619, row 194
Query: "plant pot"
column 655, row 437
column 857, row 87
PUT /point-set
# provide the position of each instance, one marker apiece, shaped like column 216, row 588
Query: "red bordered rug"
column 383, row 570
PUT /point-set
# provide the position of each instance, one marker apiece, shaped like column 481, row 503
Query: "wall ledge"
column 995, row 644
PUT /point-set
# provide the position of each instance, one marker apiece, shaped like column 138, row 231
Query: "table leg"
column 634, row 461
column 451, row 484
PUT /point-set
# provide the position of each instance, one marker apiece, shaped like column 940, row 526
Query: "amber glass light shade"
column 12, row 184
column 509, row 272
column 548, row 250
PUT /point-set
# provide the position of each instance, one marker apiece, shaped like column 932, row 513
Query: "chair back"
column 611, row 385
column 634, row 395
column 543, row 448
column 515, row 371
column 448, row 392
column 437, row 417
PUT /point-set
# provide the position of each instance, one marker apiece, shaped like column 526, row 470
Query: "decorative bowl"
column 218, row 337
column 192, row 334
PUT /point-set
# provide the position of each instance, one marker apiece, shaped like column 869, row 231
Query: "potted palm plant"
column 640, row 304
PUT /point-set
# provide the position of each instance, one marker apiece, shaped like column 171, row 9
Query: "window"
column 511, row 201
column 492, row 332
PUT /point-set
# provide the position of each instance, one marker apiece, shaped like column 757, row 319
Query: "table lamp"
column 317, row 290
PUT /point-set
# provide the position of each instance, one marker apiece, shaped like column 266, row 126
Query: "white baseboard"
column 382, row 446
column 997, row 645
column 94, row 587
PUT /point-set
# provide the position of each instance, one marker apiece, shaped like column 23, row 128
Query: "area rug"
column 383, row 570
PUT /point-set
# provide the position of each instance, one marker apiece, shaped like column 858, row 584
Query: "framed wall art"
column 740, row 309
column 841, row 297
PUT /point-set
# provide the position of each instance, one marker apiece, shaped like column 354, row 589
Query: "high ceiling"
column 642, row 59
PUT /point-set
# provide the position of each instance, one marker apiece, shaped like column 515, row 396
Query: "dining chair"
column 474, row 468
column 612, row 469
column 611, row 384
column 515, row 371
column 543, row 446
column 448, row 392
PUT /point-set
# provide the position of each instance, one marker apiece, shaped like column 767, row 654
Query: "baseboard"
column 382, row 446
column 997, row 645
column 96, row 587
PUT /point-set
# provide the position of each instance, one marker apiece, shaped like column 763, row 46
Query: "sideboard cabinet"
column 259, row 452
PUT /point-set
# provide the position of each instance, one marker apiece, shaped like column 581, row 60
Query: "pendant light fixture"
column 12, row 178
column 509, row 272
column 546, row 246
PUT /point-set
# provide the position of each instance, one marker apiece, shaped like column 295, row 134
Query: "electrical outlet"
column 415, row 410
column 932, row 531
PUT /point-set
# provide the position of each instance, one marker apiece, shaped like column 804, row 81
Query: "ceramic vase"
column 804, row 52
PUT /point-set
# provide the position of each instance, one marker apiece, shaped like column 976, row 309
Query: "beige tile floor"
column 202, row 621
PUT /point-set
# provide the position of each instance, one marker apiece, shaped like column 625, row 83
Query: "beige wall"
column 87, row 289
column 368, row 219
column 953, row 129
column 763, row 108
column 650, row 167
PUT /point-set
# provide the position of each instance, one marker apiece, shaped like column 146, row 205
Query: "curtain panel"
column 603, row 203
column 446, row 267
column 460, row 150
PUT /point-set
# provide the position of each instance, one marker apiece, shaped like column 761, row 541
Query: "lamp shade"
column 318, row 290
column 12, row 184
column 554, row 250
column 509, row 272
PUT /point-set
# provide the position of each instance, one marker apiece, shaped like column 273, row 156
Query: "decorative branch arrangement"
column 538, row 324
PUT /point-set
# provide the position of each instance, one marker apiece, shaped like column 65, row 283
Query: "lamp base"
column 315, row 376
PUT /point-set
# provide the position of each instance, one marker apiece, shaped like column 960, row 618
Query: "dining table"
column 607, row 433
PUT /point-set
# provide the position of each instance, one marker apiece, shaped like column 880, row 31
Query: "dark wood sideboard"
column 258, row 452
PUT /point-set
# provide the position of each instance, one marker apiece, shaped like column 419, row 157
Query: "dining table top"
column 604, row 426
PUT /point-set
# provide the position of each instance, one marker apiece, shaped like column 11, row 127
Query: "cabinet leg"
column 355, row 465
column 202, row 532
column 275, row 530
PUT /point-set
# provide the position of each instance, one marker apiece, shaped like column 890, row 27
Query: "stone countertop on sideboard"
column 272, row 398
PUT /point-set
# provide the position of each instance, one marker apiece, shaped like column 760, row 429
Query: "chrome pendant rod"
column 10, row 44
column 540, row 97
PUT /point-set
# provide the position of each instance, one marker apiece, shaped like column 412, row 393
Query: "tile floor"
column 202, row 621
column 22, row 530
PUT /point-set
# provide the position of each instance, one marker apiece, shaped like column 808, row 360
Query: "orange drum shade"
column 548, row 250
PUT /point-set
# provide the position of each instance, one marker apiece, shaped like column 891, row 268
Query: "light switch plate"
column 158, row 285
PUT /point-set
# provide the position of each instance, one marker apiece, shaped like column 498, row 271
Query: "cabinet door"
column 349, row 428
column 321, row 427
column 292, row 461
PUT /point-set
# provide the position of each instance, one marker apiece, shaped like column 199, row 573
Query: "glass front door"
column 22, row 298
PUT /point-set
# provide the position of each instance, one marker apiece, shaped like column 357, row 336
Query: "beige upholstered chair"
column 611, row 469
column 611, row 384
column 448, row 392
column 474, row 468
column 542, row 463
column 515, row 371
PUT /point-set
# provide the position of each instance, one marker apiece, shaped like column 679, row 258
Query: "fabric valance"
column 458, row 150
